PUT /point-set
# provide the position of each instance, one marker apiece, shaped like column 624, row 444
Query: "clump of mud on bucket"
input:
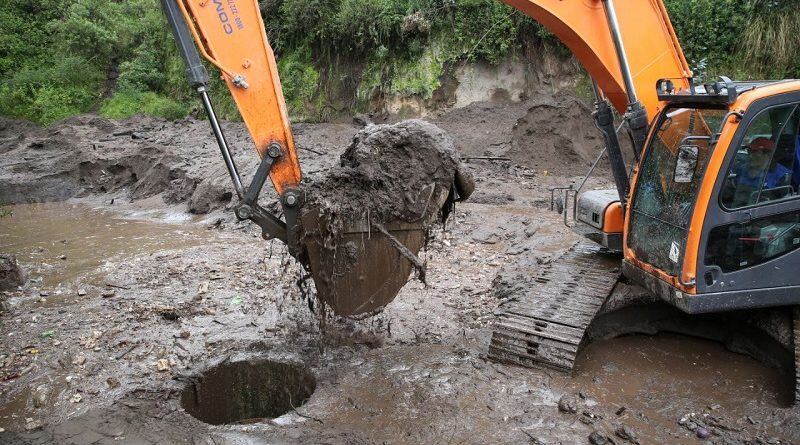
column 364, row 221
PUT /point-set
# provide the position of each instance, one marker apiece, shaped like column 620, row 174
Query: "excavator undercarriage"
column 544, row 325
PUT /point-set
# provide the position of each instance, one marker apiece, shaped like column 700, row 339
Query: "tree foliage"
column 59, row 58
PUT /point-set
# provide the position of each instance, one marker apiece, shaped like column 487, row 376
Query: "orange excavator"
column 707, row 219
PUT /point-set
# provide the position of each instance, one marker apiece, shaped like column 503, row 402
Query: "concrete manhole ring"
column 245, row 391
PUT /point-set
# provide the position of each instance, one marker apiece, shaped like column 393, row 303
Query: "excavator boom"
column 230, row 35
column 650, row 45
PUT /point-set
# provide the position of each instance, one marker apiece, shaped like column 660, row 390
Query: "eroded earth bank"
column 150, row 315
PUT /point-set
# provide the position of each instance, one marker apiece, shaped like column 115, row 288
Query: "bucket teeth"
column 544, row 325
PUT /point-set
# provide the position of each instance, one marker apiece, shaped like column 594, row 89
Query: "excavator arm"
column 230, row 34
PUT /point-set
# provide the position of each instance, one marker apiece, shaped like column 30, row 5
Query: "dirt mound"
column 387, row 172
column 88, row 155
column 556, row 134
column 546, row 132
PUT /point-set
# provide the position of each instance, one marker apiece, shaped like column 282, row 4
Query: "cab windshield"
column 667, row 184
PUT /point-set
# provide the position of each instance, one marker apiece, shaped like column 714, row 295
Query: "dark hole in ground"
column 247, row 391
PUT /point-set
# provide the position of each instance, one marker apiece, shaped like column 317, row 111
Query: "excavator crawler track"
column 544, row 324
column 796, row 341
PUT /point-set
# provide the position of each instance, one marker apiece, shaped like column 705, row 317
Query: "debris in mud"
column 598, row 438
column 11, row 274
column 568, row 404
column 626, row 433
column 365, row 220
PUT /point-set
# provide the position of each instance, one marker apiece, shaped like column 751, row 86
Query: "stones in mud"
column 702, row 433
column 626, row 433
column 568, row 403
column 598, row 438
column 163, row 365
column 79, row 360
column 32, row 424
column 39, row 396
column 362, row 120
column 11, row 274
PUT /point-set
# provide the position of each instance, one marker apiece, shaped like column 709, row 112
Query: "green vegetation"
column 59, row 58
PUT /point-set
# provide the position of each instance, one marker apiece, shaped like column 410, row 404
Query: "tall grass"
column 770, row 43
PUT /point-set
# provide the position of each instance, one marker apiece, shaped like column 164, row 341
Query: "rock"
column 702, row 433
column 76, row 398
column 39, row 396
column 80, row 360
column 213, row 192
column 568, row 403
column 11, row 275
column 362, row 120
column 624, row 432
column 32, row 424
column 598, row 438
column 108, row 293
column 81, row 292
column 112, row 382
column 163, row 365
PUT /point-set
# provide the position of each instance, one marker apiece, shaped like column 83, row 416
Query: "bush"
column 63, row 57
column 770, row 44
column 300, row 82
column 127, row 103
column 48, row 92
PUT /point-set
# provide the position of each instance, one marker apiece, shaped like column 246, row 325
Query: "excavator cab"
column 714, row 216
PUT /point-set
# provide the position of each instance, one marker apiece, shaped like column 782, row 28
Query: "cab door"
column 751, row 234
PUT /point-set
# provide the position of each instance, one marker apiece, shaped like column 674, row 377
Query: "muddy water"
column 667, row 376
column 66, row 244
column 423, row 393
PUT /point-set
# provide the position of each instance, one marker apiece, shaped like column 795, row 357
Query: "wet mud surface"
column 150, row 302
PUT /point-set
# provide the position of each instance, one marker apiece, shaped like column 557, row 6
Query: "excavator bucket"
column 364, row 270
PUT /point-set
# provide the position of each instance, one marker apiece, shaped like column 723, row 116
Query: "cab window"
column 766, row 166
column 663, row 203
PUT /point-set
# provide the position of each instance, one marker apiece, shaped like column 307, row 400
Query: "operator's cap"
column 761, row 144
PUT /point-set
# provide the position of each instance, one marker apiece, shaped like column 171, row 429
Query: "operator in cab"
column 757, row 173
